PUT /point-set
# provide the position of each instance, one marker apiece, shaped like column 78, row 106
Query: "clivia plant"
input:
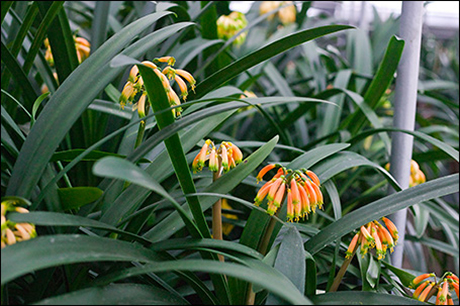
column 180, row 153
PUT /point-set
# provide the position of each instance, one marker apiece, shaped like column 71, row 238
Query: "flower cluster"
column 228, row 26
column 14, row 232
column 301, row 187
column 425, row 288
column 135, row 85
column 416, row 175
column 374, row 234
column 222, row 158
column 286, row 15
column 81, row 45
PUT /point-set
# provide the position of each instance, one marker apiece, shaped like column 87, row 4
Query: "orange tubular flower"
column 274, row 188
column 378, row 244
column 455, row 285
column 279, row 195
column 313, row 177
column 419, row 289
column 444, row 291
column 290, row 206
column 224, row 157
column 198, row 162
column 366, row 234
column 305, row 202
column 391, row 227
column 263, row 192
column 364, row 246
column 213, row 160
column 182, row 86
column 352, row 246
column 311, row 194
column 319, row 195
column 264, row 171
column 386, row 236
column 166, row 59
column 419, row 279
column 425, row 292
column 188, row 77
column 237, row 154
column 438, row 302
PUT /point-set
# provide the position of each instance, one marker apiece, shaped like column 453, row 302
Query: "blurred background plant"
column 293, row 84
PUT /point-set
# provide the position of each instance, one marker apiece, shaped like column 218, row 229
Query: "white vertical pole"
column 404, row 110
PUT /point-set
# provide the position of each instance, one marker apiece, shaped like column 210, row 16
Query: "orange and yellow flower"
column 135, row 84
column 425, row 289
column 222, row 158
column 303, row 192
column 372, row 235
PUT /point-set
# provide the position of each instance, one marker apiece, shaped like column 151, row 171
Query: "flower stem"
column 217, row 215
column 343, row 269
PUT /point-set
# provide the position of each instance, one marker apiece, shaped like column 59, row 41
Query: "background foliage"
column 122, row 225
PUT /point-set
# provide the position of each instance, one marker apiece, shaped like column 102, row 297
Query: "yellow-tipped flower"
column 135, row 83
column 374, row 234
column 425, row 292
column 392, row 228
column 166, row 59
column 352, row 245
column 419, row 279
column 264, row 171
column 419, row 289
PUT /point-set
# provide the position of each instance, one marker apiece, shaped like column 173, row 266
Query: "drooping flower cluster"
column 222, row 158
column 14, row 232
column 134, row 87
column 416, row 175
column 301, row 187
column 81, row 45
column 374, row 234
column 228, row 26
column 425, row 287
column 286, row 14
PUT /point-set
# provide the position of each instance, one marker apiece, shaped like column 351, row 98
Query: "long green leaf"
column 382, row 207
column 264, row 53
column 113, row 294
column 264, row 276
column 362, row 298
column 291, row 262
column 67, row 103
column 51, row 251
column 159, row 101
column 115, row 167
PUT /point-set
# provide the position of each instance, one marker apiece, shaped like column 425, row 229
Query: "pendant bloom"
column 374, row 235
column 425, row 286
column 222, row 158
column 300, row 187
column 134, row 88
column 15, row 232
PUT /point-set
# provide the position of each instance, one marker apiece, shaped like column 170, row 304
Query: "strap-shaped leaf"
column 66, row 105
column 383, row 207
